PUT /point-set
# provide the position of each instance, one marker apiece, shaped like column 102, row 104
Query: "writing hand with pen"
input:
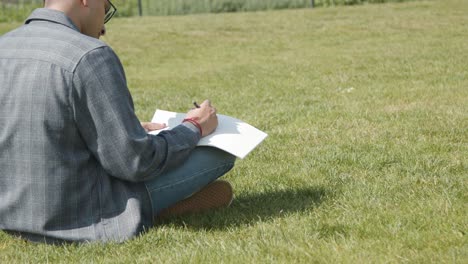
column 204, row 117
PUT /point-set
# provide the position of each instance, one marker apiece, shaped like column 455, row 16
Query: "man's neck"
column 69, row 7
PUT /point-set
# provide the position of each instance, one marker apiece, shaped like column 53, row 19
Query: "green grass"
column 16, row 12
column 126, row 8
column 170, row 7
column 367, row 115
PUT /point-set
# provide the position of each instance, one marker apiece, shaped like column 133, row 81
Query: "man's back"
column 51, row 184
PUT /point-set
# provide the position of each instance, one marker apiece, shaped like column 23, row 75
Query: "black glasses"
column 110, row 11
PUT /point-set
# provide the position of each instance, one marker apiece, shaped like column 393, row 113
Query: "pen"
column 196, row 105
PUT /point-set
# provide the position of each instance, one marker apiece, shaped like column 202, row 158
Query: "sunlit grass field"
column 366, row 108
column 17, row 10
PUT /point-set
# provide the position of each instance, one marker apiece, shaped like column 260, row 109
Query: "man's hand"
column 205, row 115
column 148, row 126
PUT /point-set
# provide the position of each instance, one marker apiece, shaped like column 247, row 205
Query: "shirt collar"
column 51, row 15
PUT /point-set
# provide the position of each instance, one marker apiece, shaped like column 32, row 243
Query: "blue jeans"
column 203, row 166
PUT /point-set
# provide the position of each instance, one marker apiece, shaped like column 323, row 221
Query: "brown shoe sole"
column 217, row 194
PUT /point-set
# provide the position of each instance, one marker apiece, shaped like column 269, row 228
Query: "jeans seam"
column 151, row 203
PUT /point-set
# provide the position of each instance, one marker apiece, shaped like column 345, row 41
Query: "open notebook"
column 232, row 135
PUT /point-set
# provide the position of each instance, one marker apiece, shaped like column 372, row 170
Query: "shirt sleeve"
column 104, row 115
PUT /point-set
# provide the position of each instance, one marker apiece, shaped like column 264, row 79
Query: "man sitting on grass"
column 75, row 162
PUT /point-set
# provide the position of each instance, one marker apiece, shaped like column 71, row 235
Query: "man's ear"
column 84, row 2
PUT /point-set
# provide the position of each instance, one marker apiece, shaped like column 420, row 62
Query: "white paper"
column 232, row 135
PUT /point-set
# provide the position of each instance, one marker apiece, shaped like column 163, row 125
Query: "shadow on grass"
column 251, row 208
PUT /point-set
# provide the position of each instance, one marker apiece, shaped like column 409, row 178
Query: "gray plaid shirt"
column 73, row 155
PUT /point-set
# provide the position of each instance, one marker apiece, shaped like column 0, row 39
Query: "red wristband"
column 195, row 123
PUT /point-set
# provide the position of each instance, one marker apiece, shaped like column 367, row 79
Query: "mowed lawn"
column 366, row 108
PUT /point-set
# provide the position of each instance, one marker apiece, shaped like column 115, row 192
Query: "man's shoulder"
column 69, row 42
column 50, row 42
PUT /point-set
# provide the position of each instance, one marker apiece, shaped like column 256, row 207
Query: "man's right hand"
column 205, row 116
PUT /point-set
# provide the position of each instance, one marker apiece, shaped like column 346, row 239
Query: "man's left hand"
column 148, row 126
